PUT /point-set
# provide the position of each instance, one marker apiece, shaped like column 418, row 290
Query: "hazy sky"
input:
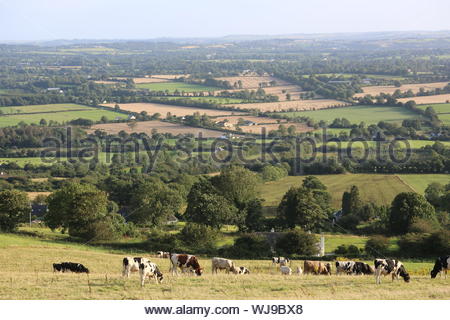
column 144, row 19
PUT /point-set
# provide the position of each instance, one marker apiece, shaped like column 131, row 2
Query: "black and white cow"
column 70, row 267
column 441, row 264
column 389, row 266
column 150, row 270
column 243, row 270
column 362, row 268
column 282, row 261
column 344, row 267
column 132, row 265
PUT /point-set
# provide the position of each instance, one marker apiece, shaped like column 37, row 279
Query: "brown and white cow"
column 132, row 265
column 150, row 270
column 223, row 264
column 162, row 254
column 282, row 261
column 316, row 267
column 389, row 266
column 185, row 262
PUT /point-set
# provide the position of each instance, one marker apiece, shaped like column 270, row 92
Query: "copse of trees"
column 14, row 209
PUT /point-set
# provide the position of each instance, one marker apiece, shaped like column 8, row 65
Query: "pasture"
column 419, row 182
column 172, row 86
column 378, row 188
column 357, row 114
column 55, row 112
column 254, row 82
column 163, row 109
column 296, row 105
column 159, row 126
column 26, row 273
column 415, row 88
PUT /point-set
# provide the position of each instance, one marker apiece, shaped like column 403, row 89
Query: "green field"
column 172, row 86
column 357, row 114
column 378, row 188
column 438, row 107
column 30, row 276
column 419, row 182
column 91, row 114
column 43, row 108
column 413, row 144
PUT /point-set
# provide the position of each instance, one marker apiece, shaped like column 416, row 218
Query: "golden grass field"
column 253, row 82
column 257, row 129
column 33, row 195
column 439, row 98
column 293, row 90
column 26, row 273
column 296, row 105
column 159, row 126
column 376, row 90
column 163, row 109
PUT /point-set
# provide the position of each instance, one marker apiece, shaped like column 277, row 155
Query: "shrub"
column 297, row 242
column 438, row 243
column 348, row 251
column 412, row 244
column 377, row 246
column 159, row 240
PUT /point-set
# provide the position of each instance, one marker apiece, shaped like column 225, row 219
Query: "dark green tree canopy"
column 14, row 208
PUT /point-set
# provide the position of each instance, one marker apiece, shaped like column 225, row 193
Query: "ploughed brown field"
column 376, row 90
column 253, row 82
column 163, row 109
column 296, row 105
column 439, row 98
column 159, row 126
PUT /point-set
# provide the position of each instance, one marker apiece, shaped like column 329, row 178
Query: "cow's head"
column 404, row 274
column 198, row 271
column 436, row 269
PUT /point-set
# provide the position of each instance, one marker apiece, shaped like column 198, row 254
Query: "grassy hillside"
column 28, row 275
column 378, row 188
column 419, row 182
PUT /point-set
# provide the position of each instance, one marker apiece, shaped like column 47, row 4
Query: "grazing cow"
column 442, row 264
column 184, row 262
column 280, row 260
column 285, row 270
column 132, row 265
column 299, row 271
column 243, row 270
column 151, row 270
column 362, row 268
column 389, row 266
column 316, row 267
column 162, row 254
column 70, row 266
column 344, row 267
column 223, row 264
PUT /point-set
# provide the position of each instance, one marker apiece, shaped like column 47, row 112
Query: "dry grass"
column 33, row 195
column 293, row 90
column 155, row 78
column 296, row 105
column 376, row 90
column 163, row 109
column 440, row 98
column 26, row 273
column 263, row 122
column 253, row 82
column 159, row 126
column 258, row 120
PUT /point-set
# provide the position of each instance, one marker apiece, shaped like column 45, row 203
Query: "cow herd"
column 189, row 264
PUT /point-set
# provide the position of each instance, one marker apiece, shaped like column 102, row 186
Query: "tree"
column 406, row 208
column 377, row 246
column 78, row 208
column 43, row 122
column 297, row 242
column 351, row 201
column 153, row 202
column 299, row 207
column 434, row 192
column 14, row 208
column 311, row 182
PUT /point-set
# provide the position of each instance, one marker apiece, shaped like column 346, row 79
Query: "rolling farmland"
column 357, row 114
column 172, row 86
column 439, row 98
column 163, row 109
column 296, row 105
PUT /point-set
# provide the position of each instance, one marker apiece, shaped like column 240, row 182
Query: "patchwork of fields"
column 442, row 109
column 172, row 86
column 439, row 98
column 296, row 105
column 357, row 114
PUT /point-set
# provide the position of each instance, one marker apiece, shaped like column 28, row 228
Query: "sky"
column 30, row 20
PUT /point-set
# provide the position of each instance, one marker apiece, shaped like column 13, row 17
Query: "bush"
column 198, row 235
column 162, row 241
column 348, row 251
column 425, row 245
column 423, row 226
column 377, row 246
column 297, row 242
column 412, row 244
column 438, row 243
column 249, row 246
column 273, row 173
